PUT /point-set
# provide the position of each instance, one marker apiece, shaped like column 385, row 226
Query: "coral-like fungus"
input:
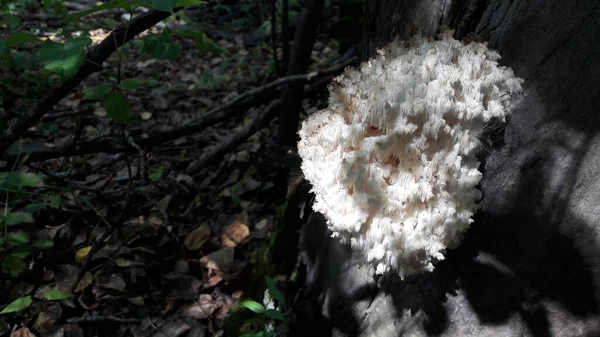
column 392, row 159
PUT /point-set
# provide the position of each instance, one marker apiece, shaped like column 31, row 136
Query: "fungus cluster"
column 392, row 160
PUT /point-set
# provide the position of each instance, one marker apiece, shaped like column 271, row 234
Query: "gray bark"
column 530, row 264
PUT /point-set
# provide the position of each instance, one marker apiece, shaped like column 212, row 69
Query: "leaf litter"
column 177, row 249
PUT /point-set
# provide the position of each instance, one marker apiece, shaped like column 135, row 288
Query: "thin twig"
column 237, row 138
column 103, row 319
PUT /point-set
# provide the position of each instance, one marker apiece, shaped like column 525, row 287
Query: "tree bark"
column 291, row 100
column 530, row 263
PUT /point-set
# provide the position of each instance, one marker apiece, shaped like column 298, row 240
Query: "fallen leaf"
column 65, row 276
column 100, row 112
column 113, row 281
column 82, row 254
column 146, row 115
column 121, row 262
column 138, row 300
column 55, row 295
column 196, row 238
column 204, row 307
column 182, row 267
column 22, row 332
column 44, row 321
column 236, row 232
column 17, row 305
column 222, row 263
column 85, row 281
column 182, row 285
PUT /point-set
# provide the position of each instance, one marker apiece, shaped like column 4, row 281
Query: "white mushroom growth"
column 392, row 159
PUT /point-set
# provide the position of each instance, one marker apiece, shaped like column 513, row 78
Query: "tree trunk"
column 530, row 264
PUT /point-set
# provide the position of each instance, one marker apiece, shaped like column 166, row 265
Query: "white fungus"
column 392, row 159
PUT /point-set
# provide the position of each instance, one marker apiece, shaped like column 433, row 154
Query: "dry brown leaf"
column 86, row 280
column 221, row 263
column 204, row 307
column 219, row 259
column 113, row 281
column 237, row 232
column 44, row 321
column 65, row 276
column 198, row 237
column 22, row 332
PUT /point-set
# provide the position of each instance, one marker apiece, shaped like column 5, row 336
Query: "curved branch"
column 94, row 58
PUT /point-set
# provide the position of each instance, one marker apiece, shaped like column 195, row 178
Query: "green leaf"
column 13, row 265
column 15, row 218
column 20, row 179
column 18, row 38
column 36, row 206
column 254, row 306
column 43, row 244
column 55, row 295
column 117, row 107
column 136, row 83
column 164, row 5
column 156, row 173
column 17, row 238
column 108, row 5
column 274, row 292
column 185, row 3
column 17, row 305
column 64, row 59
column 203, row 43
column 22, row 252
column 98, row 92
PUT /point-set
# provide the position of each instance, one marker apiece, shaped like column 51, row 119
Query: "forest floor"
column 167, row 241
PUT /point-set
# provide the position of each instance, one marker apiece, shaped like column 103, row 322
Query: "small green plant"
column 266, row 319
column 16, row 243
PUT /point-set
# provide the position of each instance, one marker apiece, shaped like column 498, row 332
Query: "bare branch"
column 240, row 103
